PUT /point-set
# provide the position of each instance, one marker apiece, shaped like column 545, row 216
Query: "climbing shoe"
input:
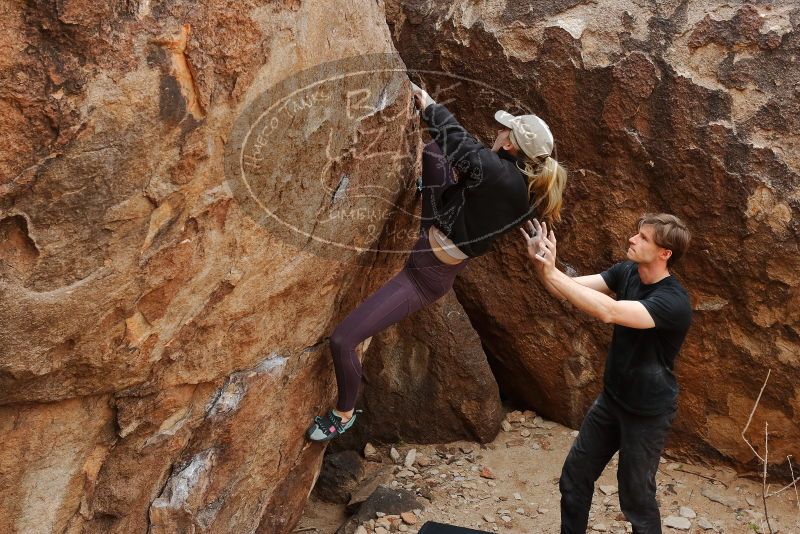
column 419, row 184
column 327, row 427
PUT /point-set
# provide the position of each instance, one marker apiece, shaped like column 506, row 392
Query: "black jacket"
column 491, row 196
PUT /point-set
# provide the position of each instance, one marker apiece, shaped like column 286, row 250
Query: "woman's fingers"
column 419, row 95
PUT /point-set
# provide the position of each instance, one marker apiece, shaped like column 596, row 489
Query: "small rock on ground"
column 608, row 490
column 370, row 451
column 409, row 518
column 704, row 523
column 681, row 523
column 487, row 473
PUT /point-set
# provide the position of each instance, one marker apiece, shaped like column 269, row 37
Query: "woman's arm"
column 475, row 162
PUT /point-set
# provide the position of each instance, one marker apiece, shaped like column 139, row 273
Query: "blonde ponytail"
column 546, row 182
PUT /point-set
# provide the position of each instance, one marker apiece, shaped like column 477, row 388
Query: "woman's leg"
column 397, row 298
column 423, row 280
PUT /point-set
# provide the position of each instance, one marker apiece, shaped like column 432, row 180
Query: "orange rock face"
column 681, row 108
column 175, row 246
column 162, row 348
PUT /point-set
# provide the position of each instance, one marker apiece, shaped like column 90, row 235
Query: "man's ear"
column 665, row 254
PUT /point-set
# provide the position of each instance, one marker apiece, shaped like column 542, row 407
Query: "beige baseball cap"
column 531, row 133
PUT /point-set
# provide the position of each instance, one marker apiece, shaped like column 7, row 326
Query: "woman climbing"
column 498, row 190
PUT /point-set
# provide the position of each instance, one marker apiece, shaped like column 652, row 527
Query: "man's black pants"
column 608, row 428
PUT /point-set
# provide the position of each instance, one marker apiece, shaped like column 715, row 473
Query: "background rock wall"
column 683, row 107
column 161, row 353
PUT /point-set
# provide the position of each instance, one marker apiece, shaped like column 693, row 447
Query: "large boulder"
column 340, row 476
column 427, row 380
column 163, row 346
column 685, row 107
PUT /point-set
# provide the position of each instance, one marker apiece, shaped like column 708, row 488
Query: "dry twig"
column 764, row 478
column 712, row 479
column 791, row 484
column 794, row 482
column 750, row 419
column 766, row 449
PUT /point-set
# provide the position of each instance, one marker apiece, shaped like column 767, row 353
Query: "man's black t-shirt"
column 639, row 369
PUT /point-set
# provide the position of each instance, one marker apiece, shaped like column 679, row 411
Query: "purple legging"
column 423, row 280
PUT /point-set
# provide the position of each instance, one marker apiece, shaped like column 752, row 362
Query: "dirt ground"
column 523, row 496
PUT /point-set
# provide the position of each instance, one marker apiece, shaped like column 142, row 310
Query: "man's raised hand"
column 541, row 245
column 547, row 250
column 532, row 236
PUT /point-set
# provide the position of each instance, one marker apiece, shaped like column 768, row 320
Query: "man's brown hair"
column 669, row 232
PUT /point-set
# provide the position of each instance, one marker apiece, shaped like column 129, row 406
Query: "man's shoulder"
column 672, row 291
column 669, row 287
column 674, row 284
column 623, row 267
column 613, row 276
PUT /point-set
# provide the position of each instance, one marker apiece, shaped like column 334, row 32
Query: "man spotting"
column 651, row 316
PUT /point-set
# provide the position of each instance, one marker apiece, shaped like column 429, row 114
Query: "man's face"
column 642, row 248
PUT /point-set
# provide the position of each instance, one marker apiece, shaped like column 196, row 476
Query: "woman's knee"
column 340, row 342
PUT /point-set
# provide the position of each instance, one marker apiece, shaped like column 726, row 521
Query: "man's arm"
column 592, row 281
column 586, row 298
column 629, row 313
